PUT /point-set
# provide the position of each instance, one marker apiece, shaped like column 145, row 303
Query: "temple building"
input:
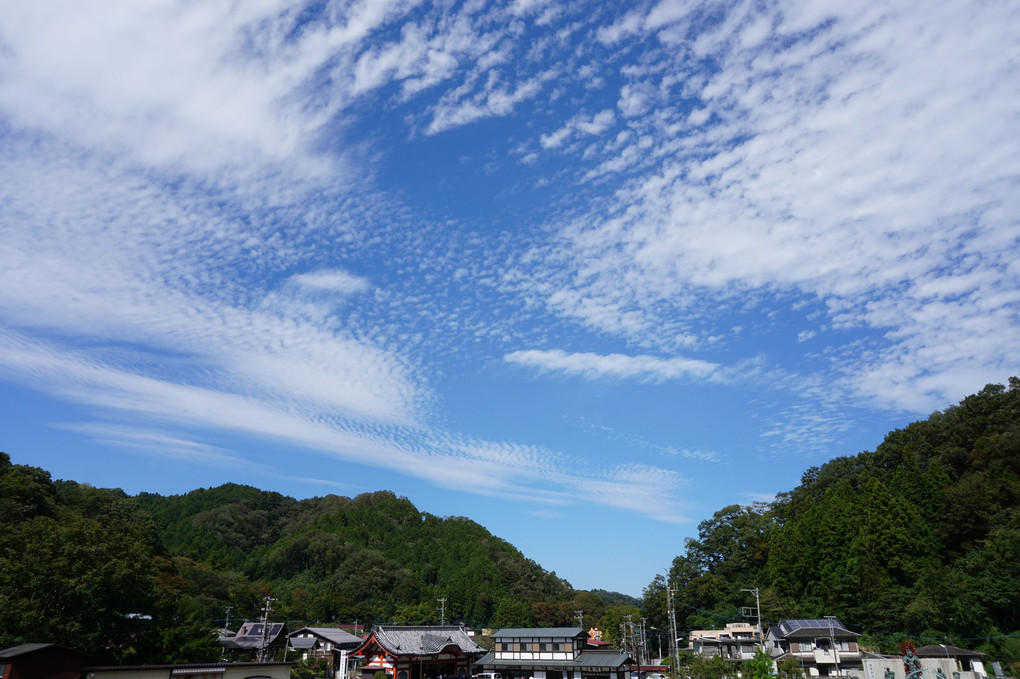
column 418, row 652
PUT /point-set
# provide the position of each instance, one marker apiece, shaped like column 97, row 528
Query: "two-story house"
column 552, row 653
column 823, row 646
column 332, row 644
column 735, row 642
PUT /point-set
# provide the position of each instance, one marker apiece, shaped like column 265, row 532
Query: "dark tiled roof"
column 537, row 632
column 212, row 667
column 22, row 649
column 939, row 651
column 333, row 634
column 600, row 659
column 812, row 628
column 250, row 635
column 420, row 639
column 603, row 659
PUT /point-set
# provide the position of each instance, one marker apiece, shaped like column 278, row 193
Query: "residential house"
column 331, row 644
column 251, row 637
column 418, row 652
column 552, row 653
column 40, row 661
column 239, row 670
column 823, row 646
column 50, row 661
column 736, row 642
column 960, row 659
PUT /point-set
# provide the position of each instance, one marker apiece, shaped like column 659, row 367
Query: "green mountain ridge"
column 362, row 558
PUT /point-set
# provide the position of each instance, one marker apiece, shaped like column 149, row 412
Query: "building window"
column 504, row 647
column 524, row 646
column 556, row 647
column 543, row 647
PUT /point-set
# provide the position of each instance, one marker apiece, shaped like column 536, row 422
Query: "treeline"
column 919, row 538
column 83, row 567
column 149, row 578
column 374, row 557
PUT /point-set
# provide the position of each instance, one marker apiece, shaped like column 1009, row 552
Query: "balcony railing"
column 826, row 656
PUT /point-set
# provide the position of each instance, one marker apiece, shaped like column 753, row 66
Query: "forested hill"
column 147, row 578
column 373, row 557
column 919, row 538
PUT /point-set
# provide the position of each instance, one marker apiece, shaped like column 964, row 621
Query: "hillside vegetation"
column 147, row 578
column 919, row 538
column 371, row 558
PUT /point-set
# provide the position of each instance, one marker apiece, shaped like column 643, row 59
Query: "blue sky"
column 574, row 270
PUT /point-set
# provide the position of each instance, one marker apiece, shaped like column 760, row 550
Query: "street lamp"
column 658, row 638
column 946, row 649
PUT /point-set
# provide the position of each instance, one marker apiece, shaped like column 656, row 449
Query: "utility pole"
column 442, row 614
column 226, row 625
column 580, row 618
column 832, row 644
column 674, row 634
column 264, row 641
column 757, row 612
column 643, row 653
column 632, row 640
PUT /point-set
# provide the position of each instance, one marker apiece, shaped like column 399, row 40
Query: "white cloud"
column 484, row 468
column 495, row 99
column 616, row 366
column 579, row 124
column 635, row 99
column 156, row 442
column 124, row 261
column 664, row 13
column 870, row 162
column 640, row 489
column 335, row 280
column 521, row 7
column 166, row 83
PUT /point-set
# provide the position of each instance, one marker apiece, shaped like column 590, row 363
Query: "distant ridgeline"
column 919, row 538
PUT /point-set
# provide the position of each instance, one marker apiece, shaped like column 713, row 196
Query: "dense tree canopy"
column 919, row 537
column 147, row 578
